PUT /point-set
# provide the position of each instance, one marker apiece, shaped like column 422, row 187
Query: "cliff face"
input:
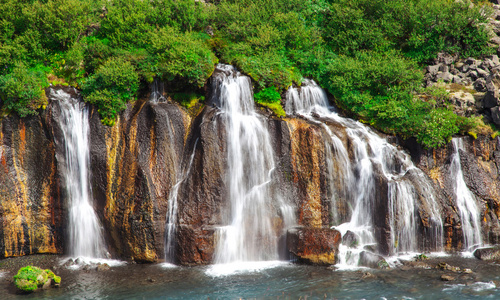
column 481, row 169
column 31, row 199
column 136, row 163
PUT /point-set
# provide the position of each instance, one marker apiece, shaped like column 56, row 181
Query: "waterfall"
column 85, row 235
column 172, row 211
column 371, row 156
column 466, row 203
column 248, row 233
column 157, row 89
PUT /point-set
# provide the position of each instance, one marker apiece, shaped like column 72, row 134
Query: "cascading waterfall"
column 157, row 89
column 172, row 211
column 85, row 234
column 249, row 234
column 466, row 203
column 371, row 154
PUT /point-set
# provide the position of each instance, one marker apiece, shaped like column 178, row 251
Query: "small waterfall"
column 157, row 89
column 249, row 234
column 466, row 203
column 371, row 156
column 172, row 211
column 85, row 235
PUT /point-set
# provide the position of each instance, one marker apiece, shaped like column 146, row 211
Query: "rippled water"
column 275, row 281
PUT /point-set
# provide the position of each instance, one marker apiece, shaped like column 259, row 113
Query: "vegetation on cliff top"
column 367, row 53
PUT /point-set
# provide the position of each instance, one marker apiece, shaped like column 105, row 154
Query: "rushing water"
column 466, row 203
column 172, row 211
column 157, row 89
column 248, row 234
column 371, row 156
column 85, row 235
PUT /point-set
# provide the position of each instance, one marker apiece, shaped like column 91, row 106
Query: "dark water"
column 285, row 281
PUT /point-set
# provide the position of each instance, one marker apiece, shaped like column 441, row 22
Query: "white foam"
column 168, row 265
column 467, row 254
column 476, row 286
column 82, row 261
column 218, row 270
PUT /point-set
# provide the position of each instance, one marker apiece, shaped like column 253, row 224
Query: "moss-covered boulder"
column 28, row 279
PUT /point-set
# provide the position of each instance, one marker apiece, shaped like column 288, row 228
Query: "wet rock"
column 417, row 264
column 367, row 275
column 488, row 253
column 195, row 246
column 317, row 246
column 372, row 260
column 370, row 248
column 468, row 271
column 103, row 267
column 447, row 267
column 445, row 277
column 69, row 262
column 350, row 239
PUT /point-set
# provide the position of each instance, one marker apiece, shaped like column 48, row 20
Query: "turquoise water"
column 284, row 281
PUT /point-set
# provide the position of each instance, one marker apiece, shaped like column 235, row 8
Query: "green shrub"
column 114, row 84
column 267, row 95
column 23, row 90
column 271, row 99
column 182, row 56
column 420, row 28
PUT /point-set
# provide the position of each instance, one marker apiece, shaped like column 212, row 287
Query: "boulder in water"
column 103, row 267
column 350, row 239
column 372, row 260
column 317, row 246
column 488, row 253
column 447, row 278
column 28, row 279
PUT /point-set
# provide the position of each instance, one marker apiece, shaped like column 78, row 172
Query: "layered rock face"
column 136, row 163
column 32, row 211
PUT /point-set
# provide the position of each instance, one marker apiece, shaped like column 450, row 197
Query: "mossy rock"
column 28, row 279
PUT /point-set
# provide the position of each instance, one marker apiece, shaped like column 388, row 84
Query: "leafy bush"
column 23, row 90
column 420, row 28
column 184, row 56
column 111, row 87
column 271, row 99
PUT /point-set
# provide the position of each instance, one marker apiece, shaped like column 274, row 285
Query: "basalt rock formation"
column 135, row 164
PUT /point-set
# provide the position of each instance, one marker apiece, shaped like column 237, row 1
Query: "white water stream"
column 371, row 155
column 249, row 233
column 172, row 211
column 85, row 233
column 466, row 203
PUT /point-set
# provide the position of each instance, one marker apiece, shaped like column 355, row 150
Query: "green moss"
column 29, row 278
column 276, row 108
column 188, row 100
